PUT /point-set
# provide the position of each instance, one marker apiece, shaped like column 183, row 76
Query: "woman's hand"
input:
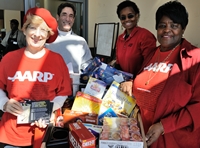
column 13, row 106
column 112, row 63
column 43, row 145
column 154, row 132
column 42, row 124
column 126, row 87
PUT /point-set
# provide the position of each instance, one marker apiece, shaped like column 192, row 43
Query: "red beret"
column 48, row 18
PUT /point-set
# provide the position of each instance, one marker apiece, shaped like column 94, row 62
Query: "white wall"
column 12, row 5
column 103, row 11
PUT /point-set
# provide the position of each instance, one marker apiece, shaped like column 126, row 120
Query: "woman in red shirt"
column 135, row 43
column 31, row 73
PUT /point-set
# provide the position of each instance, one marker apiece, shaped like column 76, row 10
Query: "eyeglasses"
column 41, row 30
column 129, row 16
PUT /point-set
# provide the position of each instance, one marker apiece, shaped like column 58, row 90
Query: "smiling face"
column 128, row 18
column 36, row 36
column 169, row 34
column 66, row 19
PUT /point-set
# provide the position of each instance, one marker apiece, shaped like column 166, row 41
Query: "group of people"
column 165, row 83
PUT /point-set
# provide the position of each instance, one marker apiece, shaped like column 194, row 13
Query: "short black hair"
column 125, row 4
column 63, row 5
column 175, row 11
column 14, row 21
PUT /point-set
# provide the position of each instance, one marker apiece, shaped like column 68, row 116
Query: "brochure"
column 35, row 110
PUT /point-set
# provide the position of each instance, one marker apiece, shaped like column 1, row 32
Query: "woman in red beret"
column 31, row 73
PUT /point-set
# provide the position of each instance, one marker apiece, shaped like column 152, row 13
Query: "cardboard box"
column 86, row 103
column 95, row 88
column 80, row 136
column 120, row 102
column 126, row 144
column 70, row 116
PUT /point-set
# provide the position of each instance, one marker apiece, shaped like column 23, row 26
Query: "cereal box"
column 120, row 102
column 94, row 64
column 80, row 136
column 86, row 103
column 95, row 87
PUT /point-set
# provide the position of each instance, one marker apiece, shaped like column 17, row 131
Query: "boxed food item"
column 80, row 136
column 86, row 103
column 108, row 74
column 120, row 102
column 108, row 113
column 122, row 132
column 95, row 87
column 94, row 129
column 70, row 116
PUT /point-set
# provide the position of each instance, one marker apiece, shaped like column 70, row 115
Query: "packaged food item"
column 120, row 102
column 80, row 136
column 95, row 88
column 94, row 64
column 108, row 74
column 120, row 132
column 86, row 103
column 70, row 116
column 108, row 113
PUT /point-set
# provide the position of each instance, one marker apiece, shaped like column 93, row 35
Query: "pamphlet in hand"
column 35, row 110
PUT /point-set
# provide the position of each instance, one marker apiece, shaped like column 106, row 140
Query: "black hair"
column 63, row 5
column 125, row 4
column 14, row 21
column 175, row 11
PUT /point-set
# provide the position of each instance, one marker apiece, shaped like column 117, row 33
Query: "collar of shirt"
column 63, row 33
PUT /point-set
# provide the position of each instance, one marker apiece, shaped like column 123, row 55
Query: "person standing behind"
column 135, row 43
column 72, row 47
column 14, row 39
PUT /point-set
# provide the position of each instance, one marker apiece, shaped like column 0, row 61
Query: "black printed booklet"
column 35, row 110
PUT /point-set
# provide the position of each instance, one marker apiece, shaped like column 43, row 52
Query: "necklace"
column 157, row 66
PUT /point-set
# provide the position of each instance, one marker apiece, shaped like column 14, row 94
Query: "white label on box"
column 119, row 144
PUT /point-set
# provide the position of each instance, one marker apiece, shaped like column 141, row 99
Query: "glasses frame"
column 34, row 29
column 124, row 17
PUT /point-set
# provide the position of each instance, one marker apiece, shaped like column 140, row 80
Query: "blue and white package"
column 108, row 113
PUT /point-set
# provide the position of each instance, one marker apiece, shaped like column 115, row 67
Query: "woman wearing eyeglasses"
column 135, row 43
column 34, row 73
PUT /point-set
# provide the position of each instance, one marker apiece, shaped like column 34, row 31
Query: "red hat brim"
column 48, row 18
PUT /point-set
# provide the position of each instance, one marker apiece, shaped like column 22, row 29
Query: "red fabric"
column 131, row 52
column 178, row 105
column 48, row 18
column 150, row 83
column 23, row 85
column 38, row 137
